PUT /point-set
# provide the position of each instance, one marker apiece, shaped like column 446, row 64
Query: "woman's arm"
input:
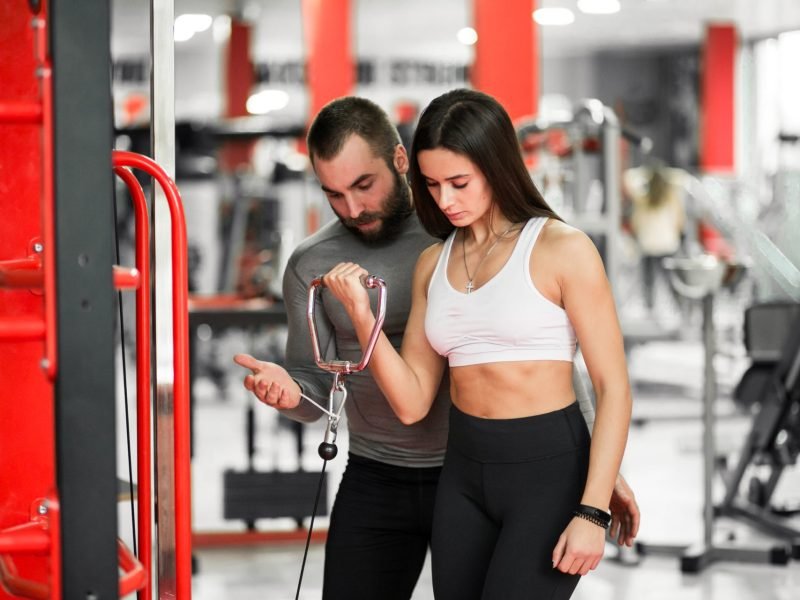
column 572, row 263
column 589, row 303
column 409, row 380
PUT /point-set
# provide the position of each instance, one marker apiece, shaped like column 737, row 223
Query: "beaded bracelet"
column 594, row 515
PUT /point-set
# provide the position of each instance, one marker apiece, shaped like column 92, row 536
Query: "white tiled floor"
column 663, row 465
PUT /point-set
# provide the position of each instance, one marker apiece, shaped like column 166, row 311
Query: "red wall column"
column 507, row 54
column 330, row 68
column 239, row 81
column 717, row 99
column 239, row 76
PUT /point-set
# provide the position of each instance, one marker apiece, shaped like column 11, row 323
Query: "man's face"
column 370, row 199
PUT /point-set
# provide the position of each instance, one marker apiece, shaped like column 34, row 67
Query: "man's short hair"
column 341, row 118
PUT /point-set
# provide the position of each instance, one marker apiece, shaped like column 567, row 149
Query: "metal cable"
column 124, row 377
column 311, row 528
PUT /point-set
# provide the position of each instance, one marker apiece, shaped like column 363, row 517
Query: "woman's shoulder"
column 429, row 256
column 564, row 239
column 426, row 264
column 567, row 252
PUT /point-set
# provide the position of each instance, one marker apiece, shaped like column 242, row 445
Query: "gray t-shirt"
column 374, row 430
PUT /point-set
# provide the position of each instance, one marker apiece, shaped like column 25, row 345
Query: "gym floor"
column 663, row 464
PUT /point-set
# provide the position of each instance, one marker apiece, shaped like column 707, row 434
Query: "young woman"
column 523, row 498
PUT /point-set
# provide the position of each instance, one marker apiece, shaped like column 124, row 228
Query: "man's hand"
column 624, row 513
column 270, row 383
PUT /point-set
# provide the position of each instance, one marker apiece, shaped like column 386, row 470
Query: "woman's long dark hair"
column 476, row 126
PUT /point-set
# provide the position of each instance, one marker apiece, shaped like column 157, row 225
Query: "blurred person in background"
column 658, row 218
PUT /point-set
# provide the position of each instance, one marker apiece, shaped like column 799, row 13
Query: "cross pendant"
column 470, row 286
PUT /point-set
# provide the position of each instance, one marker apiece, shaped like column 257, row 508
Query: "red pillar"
column 507, row 54
column 239, row 81
column 239, row 76
column 330, row 69
column 717, row 100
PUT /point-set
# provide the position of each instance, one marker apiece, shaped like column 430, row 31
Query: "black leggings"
column 379, row 531
column 506, row 493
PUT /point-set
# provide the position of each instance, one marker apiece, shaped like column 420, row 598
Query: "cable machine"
column 58, row 484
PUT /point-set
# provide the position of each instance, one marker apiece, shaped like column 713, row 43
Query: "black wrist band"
column 595, row 515
column 590, row 519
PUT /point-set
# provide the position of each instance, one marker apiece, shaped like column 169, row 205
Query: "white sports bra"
column 506, row 319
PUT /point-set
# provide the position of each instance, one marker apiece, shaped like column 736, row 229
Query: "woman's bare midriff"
column 510, row 390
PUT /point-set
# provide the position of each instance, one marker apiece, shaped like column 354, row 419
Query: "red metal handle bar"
column 143, row 398
column 345, row 366
column 21, row 330
column 39, row 536
column 33, row 537
column 27, row 273
column 180, row 333
column 50, row 363
column 135, row 577
column 126, row 279
column 21, row 272
column 17, row 113
column 19, row 586
column 28, row 538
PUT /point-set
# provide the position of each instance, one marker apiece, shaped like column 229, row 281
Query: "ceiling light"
column 187, row 25
column 222, row 29
column 553, row 16
column 267, row 101
column 599, row 7
column 467, row 36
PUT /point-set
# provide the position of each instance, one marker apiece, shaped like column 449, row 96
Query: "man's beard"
column 393, row 214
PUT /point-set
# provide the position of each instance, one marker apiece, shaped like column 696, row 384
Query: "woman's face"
column 457, row 186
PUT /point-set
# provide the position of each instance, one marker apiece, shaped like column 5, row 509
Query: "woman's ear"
column 400, row 159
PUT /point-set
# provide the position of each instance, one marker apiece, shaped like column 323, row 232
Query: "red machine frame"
column 31, row 562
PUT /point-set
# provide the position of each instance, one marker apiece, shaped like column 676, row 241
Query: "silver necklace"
column 470, row 278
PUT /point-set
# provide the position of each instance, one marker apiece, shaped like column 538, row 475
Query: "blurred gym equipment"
column 771, row 387
column 700, row 278
column 576, row 164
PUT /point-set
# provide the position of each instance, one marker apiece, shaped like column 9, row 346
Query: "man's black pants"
column 380, row 531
